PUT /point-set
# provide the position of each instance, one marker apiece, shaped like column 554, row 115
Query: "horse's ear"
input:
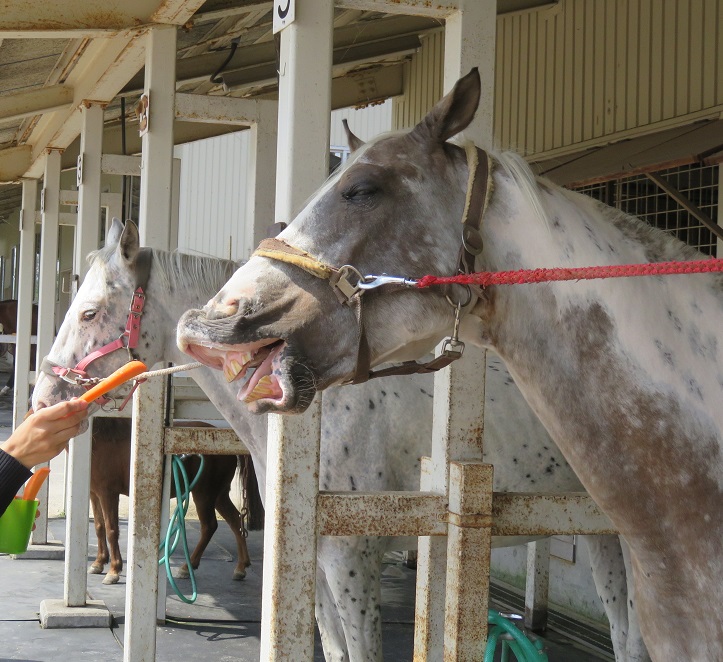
column 114, row 234
column 129, row 243
column 353, row 141
column 453, row 112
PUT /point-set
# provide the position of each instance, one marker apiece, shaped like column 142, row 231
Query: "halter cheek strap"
column 349, row 284
column 128, row 340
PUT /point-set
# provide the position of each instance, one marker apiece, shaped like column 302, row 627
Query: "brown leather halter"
column 349, row 284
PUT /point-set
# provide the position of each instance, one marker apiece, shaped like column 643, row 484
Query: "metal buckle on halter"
column 372, row 282
column 453, row 347
column 344, row 289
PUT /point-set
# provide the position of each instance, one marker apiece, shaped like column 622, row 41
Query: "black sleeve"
column 12, row 476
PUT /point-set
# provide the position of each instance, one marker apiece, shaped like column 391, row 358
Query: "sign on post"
column 284, row 14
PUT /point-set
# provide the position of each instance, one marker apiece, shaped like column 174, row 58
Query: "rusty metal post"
column 469, row 545
column 459, row 393
column 144, row 522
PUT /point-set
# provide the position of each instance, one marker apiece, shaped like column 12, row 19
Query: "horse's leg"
column 208, row 522
column 608, row 572
column 101, row 557
column 229, row 512
column 333, row 641
column 352, row 566
column 635, row 648
column 110, row 512
column 10, row 384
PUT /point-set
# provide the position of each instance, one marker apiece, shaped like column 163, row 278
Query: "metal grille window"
column 641, row 197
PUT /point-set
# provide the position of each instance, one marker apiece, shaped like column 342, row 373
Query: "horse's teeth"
column 263, row 389
column 231, row 369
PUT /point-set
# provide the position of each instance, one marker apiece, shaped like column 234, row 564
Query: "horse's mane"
column 659, row 245
column 179, row 270
column 174, row 270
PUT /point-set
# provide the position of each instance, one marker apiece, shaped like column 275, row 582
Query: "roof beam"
column 90, row 18
column 34, row 102
column 200, row 67
column 414, row 7
column 14, row 161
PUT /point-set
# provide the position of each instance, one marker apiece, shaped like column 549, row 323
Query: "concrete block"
column 54, row 615
column 53, row 550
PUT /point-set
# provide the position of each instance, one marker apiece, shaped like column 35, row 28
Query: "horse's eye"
column 89, row 315
column 359, row 191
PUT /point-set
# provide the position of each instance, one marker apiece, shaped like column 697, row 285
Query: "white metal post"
column 537, row 585
column 458, row 419
column 50, row 210
column 292, row 483
column 86, row 240
column 149, row 401
column 26, row 279
column 261, row 183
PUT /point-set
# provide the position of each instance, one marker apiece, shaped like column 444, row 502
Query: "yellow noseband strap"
column 276, row 249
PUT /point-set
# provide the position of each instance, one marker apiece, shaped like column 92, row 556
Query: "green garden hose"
column 504, row 631
column 177, row 526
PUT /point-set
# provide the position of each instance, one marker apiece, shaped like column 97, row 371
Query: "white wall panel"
column 213, row 195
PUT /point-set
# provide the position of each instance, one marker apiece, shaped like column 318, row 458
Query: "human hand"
column 42, row 436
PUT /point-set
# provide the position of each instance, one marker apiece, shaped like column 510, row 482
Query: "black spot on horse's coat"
column 352, row 573
column 346, row 450
column 371, row 404
column 384, row 392
column 353, row 484
column 347, row 407
column 396, row 394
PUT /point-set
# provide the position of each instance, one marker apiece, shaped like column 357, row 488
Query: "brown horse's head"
column 394, row 208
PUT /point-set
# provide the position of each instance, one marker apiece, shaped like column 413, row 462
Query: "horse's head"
column 97, row 320
column 395, row 208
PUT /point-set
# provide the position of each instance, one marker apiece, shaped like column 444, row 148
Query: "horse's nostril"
column 219, row 310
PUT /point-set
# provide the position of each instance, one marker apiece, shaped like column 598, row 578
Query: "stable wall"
column 587, row 72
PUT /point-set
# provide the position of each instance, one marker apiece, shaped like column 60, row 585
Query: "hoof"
column 238, row 575
column 111, row 579
column 182, row 572
column 95, row 570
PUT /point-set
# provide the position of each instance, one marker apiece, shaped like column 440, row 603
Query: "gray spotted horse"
column 358, row 423
column 625, row 374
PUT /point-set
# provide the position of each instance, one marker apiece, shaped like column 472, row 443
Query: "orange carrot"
column 32, row 487
column 123, row 374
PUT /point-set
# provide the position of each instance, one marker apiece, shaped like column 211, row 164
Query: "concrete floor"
column 224, row 623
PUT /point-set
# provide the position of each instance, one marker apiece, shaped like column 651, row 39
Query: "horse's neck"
column 622, row 373
column 251, row 429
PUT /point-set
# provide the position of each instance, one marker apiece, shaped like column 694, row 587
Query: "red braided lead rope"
column 485, row 278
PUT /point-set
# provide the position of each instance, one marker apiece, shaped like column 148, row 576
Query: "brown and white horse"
column 625, row 374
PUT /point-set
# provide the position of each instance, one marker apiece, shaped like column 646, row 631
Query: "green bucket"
column 16, row 525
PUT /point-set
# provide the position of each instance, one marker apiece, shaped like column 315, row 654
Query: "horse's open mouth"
column 237, row 360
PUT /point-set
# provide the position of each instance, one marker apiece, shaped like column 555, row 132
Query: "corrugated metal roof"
column 692, row 143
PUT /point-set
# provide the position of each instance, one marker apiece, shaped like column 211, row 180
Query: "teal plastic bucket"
column 16, row 524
